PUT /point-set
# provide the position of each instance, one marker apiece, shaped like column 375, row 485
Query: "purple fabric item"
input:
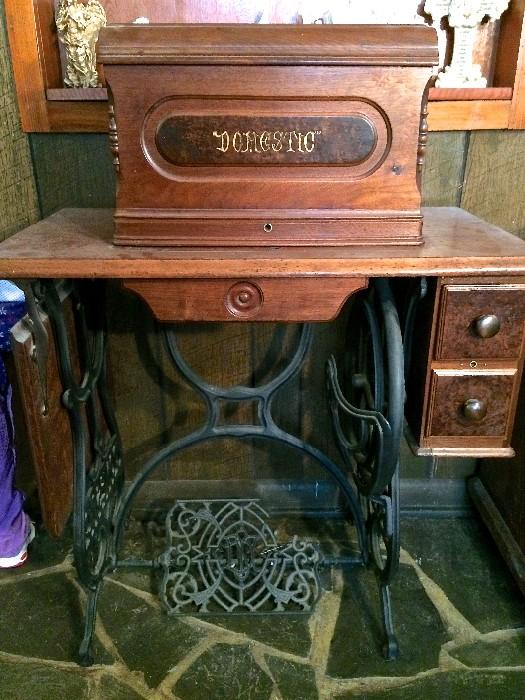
column 14, row 523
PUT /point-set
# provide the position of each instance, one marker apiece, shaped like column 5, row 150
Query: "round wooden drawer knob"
column 244, row 299
column 487, row 326
column 474, row 410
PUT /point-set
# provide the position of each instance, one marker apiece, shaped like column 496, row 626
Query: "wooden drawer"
column 481, row 321
column 453, row 411
column 260, row 299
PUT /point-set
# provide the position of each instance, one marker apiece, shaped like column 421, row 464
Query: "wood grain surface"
column 340, row 168
column 50, row 434
column 454, row 94
column 302, row 299
column 469, row 115
column 27, row 68
column 279, row 44
column 449, row 393
column 77, row 243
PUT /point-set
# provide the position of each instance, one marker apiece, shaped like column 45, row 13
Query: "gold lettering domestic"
column 264, row 141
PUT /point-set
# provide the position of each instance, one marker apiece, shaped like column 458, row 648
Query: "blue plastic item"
column 12, row 308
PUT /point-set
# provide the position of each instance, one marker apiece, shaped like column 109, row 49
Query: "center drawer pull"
column 487, row 325
column 474, row 410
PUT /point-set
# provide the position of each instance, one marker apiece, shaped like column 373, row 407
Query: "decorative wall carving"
column 465, row 17
column 78, row 26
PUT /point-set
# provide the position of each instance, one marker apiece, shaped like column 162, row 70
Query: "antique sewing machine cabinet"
column 267, row 134
column 255, row 159
column 365, row 385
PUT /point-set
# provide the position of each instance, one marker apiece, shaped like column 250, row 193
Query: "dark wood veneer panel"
column 449, row 392
column 236, row 140
column 462, row 305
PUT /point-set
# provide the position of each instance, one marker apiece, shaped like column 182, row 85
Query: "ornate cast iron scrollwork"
column 368, row 420
column 265, row 429
column 104, row 484
column 243, row 567
column 99, row 477
column 222, row 556
column 368, row 414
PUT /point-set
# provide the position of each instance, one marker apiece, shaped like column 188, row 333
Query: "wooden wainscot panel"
column 271, row 299
column 268, row 134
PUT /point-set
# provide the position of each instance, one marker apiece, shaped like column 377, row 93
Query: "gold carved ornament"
column 78, row 26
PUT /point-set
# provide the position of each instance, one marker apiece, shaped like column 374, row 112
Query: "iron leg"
column 390, row 644
column 85, row 657
column 99, row 476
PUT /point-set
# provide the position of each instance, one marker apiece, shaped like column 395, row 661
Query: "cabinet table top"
column 77, row 243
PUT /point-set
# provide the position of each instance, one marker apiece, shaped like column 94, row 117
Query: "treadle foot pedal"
column 223, row 557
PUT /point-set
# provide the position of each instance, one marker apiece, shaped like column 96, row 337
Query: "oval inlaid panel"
column 248, row 140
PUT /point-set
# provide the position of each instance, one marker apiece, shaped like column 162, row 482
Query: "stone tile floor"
column 460, row 621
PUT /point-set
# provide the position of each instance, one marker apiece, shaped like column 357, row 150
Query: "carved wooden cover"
column 263, row 135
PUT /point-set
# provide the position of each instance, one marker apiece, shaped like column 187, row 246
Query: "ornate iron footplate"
column 207, row 565
column 222, row 556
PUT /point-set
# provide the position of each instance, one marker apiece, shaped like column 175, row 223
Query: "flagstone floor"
column 460, row 622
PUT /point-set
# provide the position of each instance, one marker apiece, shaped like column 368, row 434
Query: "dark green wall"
column 72, row 170
column 75, row 170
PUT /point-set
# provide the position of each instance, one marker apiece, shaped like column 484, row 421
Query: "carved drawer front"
column 481, row 321
column 261, row 299
column 476, row 404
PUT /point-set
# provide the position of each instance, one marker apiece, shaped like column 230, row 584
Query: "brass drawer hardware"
column 474, row 410
column 487, row 325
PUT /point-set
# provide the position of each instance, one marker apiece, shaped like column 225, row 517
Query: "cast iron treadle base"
column 211, row 562
column 222, row 556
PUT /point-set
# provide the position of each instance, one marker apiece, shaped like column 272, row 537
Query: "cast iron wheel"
column 374, row 381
